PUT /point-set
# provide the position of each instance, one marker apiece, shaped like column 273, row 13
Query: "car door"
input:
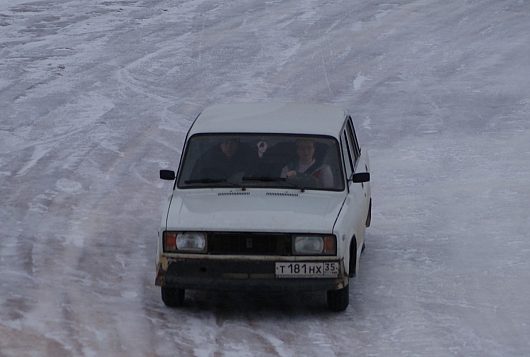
column 353, row 215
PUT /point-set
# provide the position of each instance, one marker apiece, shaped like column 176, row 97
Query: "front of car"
column 250, row 239
column 253, row 211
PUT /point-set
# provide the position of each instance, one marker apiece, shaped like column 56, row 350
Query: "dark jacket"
column 214, row 164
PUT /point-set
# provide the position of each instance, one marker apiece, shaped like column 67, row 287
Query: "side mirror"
column 361, row 177
column 167, row 175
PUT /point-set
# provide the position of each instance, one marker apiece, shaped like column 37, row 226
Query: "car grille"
column 249, row 244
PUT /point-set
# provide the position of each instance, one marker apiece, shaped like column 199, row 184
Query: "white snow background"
column 96, row 97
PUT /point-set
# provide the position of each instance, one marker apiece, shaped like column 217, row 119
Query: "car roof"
column 284, row 118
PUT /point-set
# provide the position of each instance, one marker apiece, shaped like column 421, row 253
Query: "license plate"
column 307, row 270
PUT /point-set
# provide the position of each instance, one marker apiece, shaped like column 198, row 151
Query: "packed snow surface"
column 96, row 97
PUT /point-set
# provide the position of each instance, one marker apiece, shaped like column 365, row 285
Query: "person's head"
column 305, row 148
column 229, row 146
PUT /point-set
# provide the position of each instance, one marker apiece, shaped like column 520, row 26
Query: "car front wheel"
column 172, row 297
column 338, row 300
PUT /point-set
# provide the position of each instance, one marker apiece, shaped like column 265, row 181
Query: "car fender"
column 347, row 230
column 164, row 208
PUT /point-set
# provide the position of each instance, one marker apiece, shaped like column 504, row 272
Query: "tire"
column 172, row 297
column 338, row 300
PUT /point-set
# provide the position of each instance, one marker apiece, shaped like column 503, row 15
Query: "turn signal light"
column 170, row 241
column 330, row 245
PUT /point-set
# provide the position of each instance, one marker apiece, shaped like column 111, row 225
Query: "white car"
column 266, row 196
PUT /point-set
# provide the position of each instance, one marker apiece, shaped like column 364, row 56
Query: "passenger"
column 222, row 161
column 307, row 167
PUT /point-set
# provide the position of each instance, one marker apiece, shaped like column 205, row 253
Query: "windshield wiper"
column 211, row 180
column 285, row 180
column 204, row 180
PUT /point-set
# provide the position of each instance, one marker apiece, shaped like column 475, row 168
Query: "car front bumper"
column 240, row 274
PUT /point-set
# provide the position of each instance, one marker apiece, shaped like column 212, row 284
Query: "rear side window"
column 346, row 154
column 354, row 147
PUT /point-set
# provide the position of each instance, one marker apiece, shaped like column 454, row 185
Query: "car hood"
column 254, row 211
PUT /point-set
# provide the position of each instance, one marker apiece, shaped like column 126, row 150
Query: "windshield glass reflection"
column 252, row 160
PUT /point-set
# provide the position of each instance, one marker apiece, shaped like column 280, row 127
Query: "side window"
column 356, row 150
column 346, row 156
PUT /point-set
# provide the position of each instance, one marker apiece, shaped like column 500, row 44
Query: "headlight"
column 314, row 245
column 193, row 242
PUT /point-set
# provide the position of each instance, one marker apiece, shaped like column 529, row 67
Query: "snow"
column 97, row 96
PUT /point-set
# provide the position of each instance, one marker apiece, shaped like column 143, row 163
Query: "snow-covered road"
column 96, row 97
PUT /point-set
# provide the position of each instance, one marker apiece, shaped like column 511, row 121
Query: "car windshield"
column 255, row 160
